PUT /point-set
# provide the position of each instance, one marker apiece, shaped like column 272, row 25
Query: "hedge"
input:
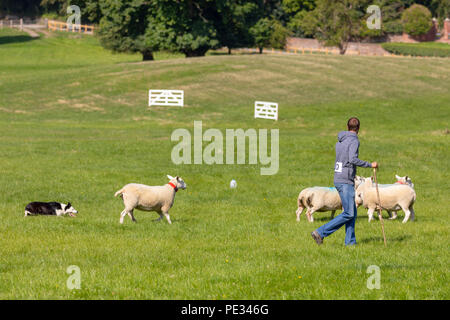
column 420, row 49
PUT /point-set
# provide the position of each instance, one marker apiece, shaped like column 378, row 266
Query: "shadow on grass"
column 233, row 53
column 15, row 39
column 388, row 239
column 358, row 218
column 327, row 218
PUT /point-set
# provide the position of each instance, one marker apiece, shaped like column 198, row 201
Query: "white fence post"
column 166, row 98
column 266, row 110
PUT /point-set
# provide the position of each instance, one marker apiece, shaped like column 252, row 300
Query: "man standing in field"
column 347, row 149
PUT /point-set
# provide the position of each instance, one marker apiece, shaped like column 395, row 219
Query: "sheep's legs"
column 408, row 212
column 309, row 214
column 412, row 213
column 332, row 214
column 299, row 212
column 370, row 213
column 392, row 216
column 166, row 214
column 130, row 214
column 122, row 215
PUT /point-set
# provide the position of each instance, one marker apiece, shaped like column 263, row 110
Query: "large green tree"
column 335, row 22
column 123, row 26
column 20, row 8
column 185, row 26
column 261, row 33
column 295, row 11
column 233, row 20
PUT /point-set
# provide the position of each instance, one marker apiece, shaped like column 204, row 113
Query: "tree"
column 185, row 26
column 123, row 25
column 261, row 33
column 334, row 22
column 296, row 11
column 278, row 35
column 90, row 9
column 233, row 21
column 292, row 7
column 417, row 20
column 442, row 10
column 391, row 12
column 20, row 8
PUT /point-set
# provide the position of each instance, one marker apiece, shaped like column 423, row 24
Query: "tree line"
column 193, row 27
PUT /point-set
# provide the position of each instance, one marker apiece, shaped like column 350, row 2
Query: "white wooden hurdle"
column 166, row 98
column 266, row 110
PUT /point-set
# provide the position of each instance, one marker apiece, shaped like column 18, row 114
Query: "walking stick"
column 379, row 205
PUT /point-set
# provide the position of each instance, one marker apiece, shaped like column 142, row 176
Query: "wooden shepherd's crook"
column 379, row 205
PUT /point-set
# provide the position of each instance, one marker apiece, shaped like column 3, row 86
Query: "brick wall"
column 446, row 32
column 430, row 36
column 353, row 47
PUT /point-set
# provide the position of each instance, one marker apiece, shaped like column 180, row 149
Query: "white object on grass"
column 233, row 184
column 166, row 98
column 266, row 110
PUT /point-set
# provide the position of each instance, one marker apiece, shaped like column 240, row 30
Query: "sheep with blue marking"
column 320, row 199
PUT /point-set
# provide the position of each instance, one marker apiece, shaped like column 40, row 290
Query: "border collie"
column 50, row 208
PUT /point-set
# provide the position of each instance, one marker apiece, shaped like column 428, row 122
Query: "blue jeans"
column 347, row 217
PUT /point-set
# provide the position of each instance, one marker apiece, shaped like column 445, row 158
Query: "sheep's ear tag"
column 170, row 177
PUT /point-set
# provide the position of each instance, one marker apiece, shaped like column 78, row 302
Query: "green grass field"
column 75, row 126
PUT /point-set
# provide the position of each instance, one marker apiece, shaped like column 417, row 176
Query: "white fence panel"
column 266, row 110
column 166, row 98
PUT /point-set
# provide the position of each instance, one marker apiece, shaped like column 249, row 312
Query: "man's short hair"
column 353, row 124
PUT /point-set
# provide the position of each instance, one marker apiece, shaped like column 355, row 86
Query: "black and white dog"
column 49, row 208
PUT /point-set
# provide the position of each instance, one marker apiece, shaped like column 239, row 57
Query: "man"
column 347, row 149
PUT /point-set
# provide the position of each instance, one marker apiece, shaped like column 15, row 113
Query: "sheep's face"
column 405, row 180
column 178, row 181
column 358, row 181
column 358, row 198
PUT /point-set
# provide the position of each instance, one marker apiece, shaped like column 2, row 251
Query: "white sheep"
column 400, row 180
column 320, row 199
column 392, row 197
column 150, row 198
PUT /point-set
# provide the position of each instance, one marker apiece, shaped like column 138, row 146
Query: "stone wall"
column 353, row 47
column 375, row 48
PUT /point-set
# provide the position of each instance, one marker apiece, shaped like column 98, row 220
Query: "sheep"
column 150, row 198
column 392, row 197
column 404, row 180
column 400, row 180
column 320, row 199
